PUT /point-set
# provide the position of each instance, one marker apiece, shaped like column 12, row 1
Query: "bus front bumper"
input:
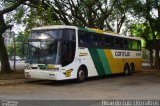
column 48, row 75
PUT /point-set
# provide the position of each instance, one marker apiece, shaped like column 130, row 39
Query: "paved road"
column 143, row 85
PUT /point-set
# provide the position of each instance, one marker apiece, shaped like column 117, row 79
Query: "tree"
column 154, row 24
column 146, row 9
column 101, row 14
column 144, row 31
column 20, row 40
column 8, row 6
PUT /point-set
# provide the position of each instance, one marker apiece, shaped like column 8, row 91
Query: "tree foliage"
column 101, row 14
column 147, row 9
column 8, row 6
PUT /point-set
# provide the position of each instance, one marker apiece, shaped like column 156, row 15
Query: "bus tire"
column 81, row 74
column 126, row 69
column 132, row 69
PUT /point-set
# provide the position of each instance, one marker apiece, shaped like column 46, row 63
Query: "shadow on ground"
column 74, row 81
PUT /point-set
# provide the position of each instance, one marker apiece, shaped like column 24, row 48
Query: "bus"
column 61, row 52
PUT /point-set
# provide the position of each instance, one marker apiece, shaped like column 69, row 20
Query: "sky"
column 18, row 28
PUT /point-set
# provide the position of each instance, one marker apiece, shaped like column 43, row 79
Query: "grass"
column 14, row 75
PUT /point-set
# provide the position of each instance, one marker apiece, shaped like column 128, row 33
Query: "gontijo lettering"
column 118, row 53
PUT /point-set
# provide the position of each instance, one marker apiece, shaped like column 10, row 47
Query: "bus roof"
column 108, row 33
column 85, row 29
column 54, row 27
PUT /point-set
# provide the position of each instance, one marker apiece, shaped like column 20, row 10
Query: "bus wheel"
column 132, row 69
column 126, row 69
column 81, row 75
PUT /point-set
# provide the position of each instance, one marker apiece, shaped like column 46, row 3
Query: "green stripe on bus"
column 104, row 61
column 97, row 61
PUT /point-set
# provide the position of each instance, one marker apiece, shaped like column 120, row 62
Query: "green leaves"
column 85, row 13
column 19, row 14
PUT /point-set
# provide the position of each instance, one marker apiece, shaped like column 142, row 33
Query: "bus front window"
column 44, row 46
column 56, row 46
column 43, row 52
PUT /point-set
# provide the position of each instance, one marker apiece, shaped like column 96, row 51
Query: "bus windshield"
column 56, row 46
column 45, row 52
column 43, row 47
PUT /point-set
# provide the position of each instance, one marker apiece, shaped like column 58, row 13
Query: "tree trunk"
column 151, row 57
column 156, row 64
column 157, row 60
column 5, row 66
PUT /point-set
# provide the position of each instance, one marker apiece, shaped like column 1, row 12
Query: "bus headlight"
column 27, row 67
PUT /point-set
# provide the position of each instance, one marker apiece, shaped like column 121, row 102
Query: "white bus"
column 61, row 52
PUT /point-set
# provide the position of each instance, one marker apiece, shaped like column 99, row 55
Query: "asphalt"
column 15, row 81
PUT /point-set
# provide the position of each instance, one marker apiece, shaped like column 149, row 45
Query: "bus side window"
column 117, row 43
column 81, row 38
column 88, row 39
column 139, row 45
column 129, row 44
column 126, row 44
column 93, row 40
column 84, row 39
column 112, row 44
column 101, row 41
column 134, row 45
column 107, row 42
column 121, row 43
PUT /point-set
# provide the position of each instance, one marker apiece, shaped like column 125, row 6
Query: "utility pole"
column 14, row 49
column 14, row 45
